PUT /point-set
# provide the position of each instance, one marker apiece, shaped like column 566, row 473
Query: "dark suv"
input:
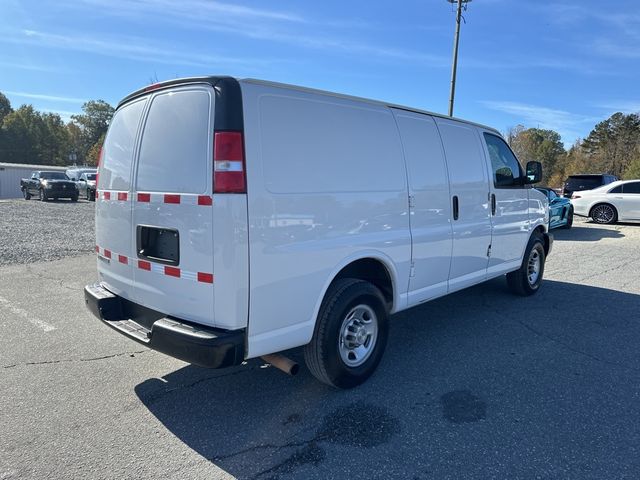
column 578, row 183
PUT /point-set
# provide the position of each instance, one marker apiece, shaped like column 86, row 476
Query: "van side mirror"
column 534, row 172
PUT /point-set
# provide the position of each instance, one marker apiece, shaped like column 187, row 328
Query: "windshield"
column 53, row 176
column 91, row 176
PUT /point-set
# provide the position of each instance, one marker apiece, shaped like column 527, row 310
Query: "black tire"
column 323, row 354
column 42, row 195
column 569, row 223
column 522, row 281
column 74, row 198
column 26, row 194
column 604, row 214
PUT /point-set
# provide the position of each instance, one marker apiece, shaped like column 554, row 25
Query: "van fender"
column 361, row 255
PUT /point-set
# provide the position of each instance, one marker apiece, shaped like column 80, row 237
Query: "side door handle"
column 456, row 207
column 493, row 204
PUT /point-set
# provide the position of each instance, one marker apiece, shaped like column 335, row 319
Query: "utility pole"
column 462, row 4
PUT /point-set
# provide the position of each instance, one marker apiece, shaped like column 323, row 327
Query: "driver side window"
column 506, row 168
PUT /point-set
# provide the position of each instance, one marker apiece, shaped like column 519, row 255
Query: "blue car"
column 560, row 209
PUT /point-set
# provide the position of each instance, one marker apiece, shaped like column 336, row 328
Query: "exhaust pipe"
column 283, row 363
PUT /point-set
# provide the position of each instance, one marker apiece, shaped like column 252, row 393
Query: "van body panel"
column 431, row 229
column 325, row 180
column 231, row 260
column 470, row 184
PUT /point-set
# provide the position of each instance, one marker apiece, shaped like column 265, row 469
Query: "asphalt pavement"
column 479, row 384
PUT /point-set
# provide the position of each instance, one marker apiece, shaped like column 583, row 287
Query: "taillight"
column 228, row 163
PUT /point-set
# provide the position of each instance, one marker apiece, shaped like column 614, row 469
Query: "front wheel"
column 527, row 279
column 74, row 198
column 26, row 194
column 350, row 334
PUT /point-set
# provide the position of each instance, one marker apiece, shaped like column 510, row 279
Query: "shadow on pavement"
column 585, row 234
column 477, row 384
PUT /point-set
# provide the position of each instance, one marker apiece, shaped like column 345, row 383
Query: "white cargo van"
column 241, row 218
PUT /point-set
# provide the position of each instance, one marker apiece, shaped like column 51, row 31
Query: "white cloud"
column 38, row 96
column 133, row 48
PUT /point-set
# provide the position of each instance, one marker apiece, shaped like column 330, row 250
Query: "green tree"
column 22, row 133
column 544, row 146
column 93, row 155
column 93, row 123
column 5, row 107
column 613, row 143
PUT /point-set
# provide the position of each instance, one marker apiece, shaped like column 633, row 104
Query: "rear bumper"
column 187, row 341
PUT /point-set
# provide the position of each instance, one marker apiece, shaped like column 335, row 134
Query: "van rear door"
column 113, row 212
column 172, row 219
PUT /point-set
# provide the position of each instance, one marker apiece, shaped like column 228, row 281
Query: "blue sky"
column 548, row 64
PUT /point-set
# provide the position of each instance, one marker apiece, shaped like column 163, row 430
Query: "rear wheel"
column 26, row 194
column 604, row 214
column 569, row 223
column 42, row 195
column 350, row 334
column 527, row 279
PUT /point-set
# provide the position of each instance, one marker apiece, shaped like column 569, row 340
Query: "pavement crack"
column 70, row 360
column 575, row 350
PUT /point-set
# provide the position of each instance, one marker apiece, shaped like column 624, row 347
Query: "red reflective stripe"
column 97, row 193
column 172, row 271
column 205, row 277
column 97, row 249
column 122, row 196
column 205, row 200
column 171, row 198
column 144, row 197
column 106, row 195
column 123, row 259
column 107, row 253
column 144, row 265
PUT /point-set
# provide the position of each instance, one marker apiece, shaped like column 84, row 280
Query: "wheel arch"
column 373, row 267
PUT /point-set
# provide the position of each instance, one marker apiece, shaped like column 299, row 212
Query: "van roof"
column 216, row 80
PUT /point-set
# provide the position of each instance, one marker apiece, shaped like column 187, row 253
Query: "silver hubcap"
column 358, row 335
column 533, row 266
column 603, row 214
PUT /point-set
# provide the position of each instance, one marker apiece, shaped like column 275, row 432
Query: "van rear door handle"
column 493, row 204
column 456, row 209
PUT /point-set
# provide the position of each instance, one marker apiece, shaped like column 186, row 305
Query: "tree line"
column 613, row 146
column 42, row 138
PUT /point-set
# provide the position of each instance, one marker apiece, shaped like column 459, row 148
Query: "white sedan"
column 609, row 203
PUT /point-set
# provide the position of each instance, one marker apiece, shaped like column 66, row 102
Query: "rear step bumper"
column 190, row 342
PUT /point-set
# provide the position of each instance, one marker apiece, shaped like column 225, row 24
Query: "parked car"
column 48, row 185
column 340, row 210
column 578, row 183
column 560, row 209
column 75, row 173
column 87, row 185
column 617, row 201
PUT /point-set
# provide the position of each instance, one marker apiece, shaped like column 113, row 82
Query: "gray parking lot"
column 480, row 384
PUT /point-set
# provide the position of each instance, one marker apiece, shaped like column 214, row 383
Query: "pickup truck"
column 47, row 184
